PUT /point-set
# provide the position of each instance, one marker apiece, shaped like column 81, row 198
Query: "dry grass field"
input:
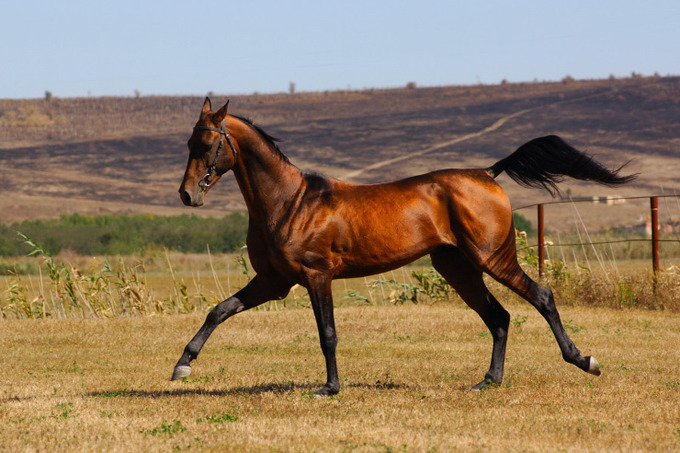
column 102, row 385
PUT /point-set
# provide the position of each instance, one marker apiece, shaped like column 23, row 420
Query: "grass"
column 157, row 284
column 102, row 384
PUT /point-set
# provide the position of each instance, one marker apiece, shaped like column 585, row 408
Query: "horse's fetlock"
column 190, row 353
column 573, row 356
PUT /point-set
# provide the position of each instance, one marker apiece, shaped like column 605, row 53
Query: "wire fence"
column 653, row 230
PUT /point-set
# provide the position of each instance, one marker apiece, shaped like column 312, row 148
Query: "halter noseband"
column 205, row 182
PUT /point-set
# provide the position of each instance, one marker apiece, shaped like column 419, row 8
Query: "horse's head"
column 211, row 154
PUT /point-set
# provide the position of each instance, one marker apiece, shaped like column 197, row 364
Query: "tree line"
column 126, row 234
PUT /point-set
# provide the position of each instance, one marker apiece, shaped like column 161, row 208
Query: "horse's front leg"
column 256, row 292
column 319, row 288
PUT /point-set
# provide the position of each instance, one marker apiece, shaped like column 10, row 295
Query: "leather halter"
column 205, row 182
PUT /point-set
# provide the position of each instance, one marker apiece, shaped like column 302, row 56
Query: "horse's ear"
column 207, row 106
column 221, row 113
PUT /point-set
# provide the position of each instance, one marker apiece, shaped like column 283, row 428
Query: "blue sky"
column 85, row 48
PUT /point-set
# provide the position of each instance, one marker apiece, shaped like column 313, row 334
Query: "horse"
column 308, row 229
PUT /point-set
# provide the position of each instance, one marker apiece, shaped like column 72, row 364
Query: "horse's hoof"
column 484, row 385
column 326, row 391
column 181, row 371
column 594, row 367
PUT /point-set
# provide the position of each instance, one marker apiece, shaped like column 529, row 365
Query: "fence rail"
column 654, row 211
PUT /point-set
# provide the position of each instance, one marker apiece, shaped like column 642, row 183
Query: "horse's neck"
column 266, row 179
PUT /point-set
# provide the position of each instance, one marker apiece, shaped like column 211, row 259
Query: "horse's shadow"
column 276, row 388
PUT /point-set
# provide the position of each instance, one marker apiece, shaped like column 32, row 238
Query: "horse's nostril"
column 186, row 198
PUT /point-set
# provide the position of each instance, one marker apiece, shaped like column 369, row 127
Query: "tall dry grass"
column 603, row 281
column 162, row 283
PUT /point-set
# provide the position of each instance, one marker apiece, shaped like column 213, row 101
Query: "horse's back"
column 463, row 192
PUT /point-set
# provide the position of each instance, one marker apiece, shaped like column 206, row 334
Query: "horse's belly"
column 372, row 251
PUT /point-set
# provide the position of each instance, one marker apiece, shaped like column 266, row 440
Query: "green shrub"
column 127, row 235
column 522, row 223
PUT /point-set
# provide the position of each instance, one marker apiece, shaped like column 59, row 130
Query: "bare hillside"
column 127, row 155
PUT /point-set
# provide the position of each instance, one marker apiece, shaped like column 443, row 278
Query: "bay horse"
column 307, row 229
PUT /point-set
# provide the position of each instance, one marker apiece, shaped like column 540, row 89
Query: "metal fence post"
column 654, row 202
column 541, row 242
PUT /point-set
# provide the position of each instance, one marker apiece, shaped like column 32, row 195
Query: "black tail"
column 545, row 161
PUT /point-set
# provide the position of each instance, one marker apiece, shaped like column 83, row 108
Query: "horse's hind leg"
column 506, row 270
column 468, row 282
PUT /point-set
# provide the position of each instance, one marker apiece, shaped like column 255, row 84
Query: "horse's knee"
column 224, row 310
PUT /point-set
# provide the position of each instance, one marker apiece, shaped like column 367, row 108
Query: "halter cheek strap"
column 205, row 182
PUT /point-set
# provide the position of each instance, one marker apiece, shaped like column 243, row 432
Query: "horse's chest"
column 293, row 249
column 272, row 251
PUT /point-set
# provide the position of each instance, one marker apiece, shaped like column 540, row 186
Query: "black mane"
column 273, row 141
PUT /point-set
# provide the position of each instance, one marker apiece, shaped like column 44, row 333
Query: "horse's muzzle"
column 188, row 200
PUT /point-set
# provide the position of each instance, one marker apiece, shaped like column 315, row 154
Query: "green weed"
column 357, row 296
column 518, row 321
column 432, row 284
column 64, row 410
column 218, row 418
column 111, row 394
column 571, row 327
column 166, row 428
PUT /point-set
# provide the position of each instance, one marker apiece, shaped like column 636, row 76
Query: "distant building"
column 645, row 228
column 609, row 200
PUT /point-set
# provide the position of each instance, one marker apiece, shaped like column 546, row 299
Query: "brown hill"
column 127, row 155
